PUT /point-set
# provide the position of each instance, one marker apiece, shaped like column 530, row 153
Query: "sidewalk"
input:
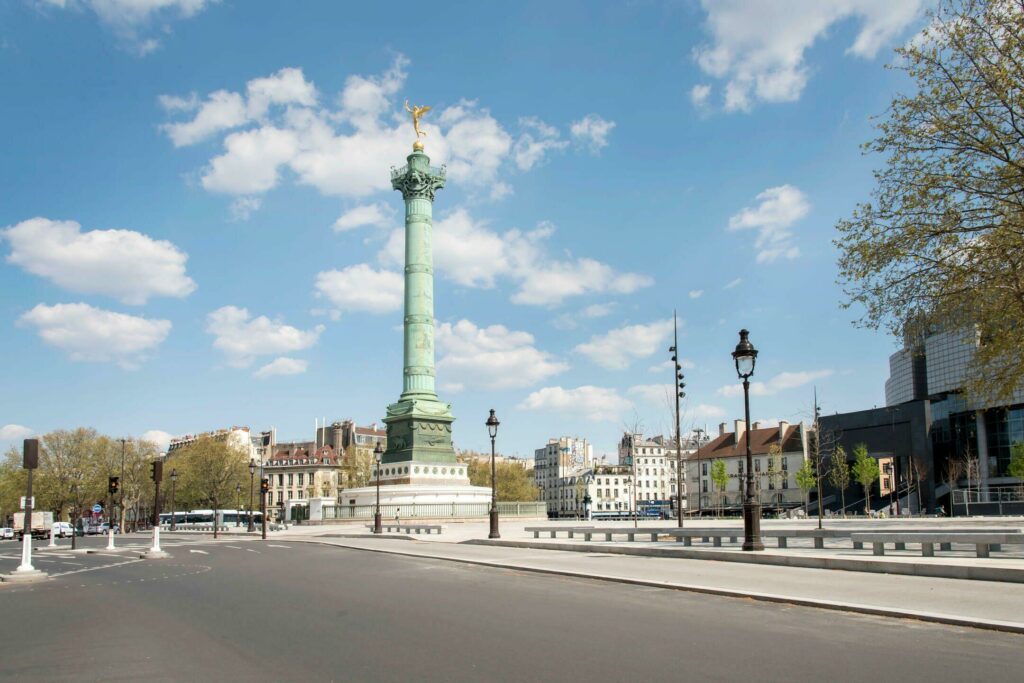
column 979, row 604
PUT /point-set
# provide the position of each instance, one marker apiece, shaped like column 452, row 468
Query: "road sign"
column 23, row 502
column 97, row 508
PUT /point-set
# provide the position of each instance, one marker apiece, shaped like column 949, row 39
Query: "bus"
column 203, row 519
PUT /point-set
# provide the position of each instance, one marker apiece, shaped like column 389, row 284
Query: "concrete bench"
column 417, row 528
column 984, row 542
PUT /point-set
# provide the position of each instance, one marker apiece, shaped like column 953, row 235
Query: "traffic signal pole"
column 154, row 552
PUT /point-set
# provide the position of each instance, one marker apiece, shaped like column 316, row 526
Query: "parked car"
column 62, row 530
column 92, row 529
column 6, row 533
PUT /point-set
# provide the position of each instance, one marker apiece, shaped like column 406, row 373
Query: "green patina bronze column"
column 419, row 425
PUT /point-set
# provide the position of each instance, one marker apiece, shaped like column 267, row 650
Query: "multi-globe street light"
column 492, row 429
column 252, row 480
column 745, row 357
column 677, row 372
column 377, row 453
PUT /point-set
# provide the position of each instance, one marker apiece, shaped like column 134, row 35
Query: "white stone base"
column 420, row 494
column 155, row 555
column 18, row 576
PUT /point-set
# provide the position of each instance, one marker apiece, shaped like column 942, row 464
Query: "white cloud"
column 158, row 437
column 592, row 132
column 699, row 95
column 597, row 310
column 597, row 404
column 615, row 350
column 222, row 110
column 13, row 432
column 243, row 338
column 733, row 283
column 123, row 264
column 282, row 366
column 534, row 144
column 696, row 293
column 704, row 411
column 492, row 357
column 95, row 335
column 378, row 215
column 243, row 208
column 252, row 161
column 778, row 209
column 361, row 288
column 469, row 254
column 659, row 395
column 780, row 382
column 132, row 20
column 758, row 47
column 286, row 87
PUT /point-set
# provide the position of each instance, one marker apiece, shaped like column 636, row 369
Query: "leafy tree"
column 719, row 479
column 12, row 484
column 208, row 471
column 839, row 474
column 512, row 481
column 942, row 241
column 358, row 467
column 806, row 479
column 1016, row 468
column 865, row 472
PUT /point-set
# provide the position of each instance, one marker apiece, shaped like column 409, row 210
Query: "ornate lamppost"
column 252, row 479
column 745, row 357
column 377, row 453
column 492, row 429
column 174, row 510
column 238, row 503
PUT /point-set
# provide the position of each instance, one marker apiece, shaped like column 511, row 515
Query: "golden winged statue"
column 417, row 114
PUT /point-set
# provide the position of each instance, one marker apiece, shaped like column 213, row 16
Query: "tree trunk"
column 867, row 500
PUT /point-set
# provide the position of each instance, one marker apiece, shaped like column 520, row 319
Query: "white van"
column 63, row 530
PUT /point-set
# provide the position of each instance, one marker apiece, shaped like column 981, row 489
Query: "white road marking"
column 233, row 546
column 199, row 552
column 251, row 550
column 92, row 569
column 271, row 545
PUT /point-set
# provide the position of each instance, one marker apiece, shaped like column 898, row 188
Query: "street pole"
column 174, row 510
column 252, row 481
column 745, row 357
column 155, row 553
column 378, row 451
column 25, row 571
column 677, row 380
column 110, row 521
column 120, row 511
column 492, row 429
column 238, row 504
column 263, row 507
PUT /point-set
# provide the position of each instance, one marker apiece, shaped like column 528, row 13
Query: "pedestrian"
column 397, row 515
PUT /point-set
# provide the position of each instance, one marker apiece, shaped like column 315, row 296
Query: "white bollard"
column 110, row 538
column 154, row 552
column 53, row 536
column 26, row 554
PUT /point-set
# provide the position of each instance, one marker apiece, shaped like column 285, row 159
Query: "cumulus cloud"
column 158, row 437
column 243, row 338
column 778, row 209
column 469, row 253
column 733, row 283
column 13, row 432
column 758, row 47
column 696, row 293
column 492, row 357
column 282, row 366
column 243, row 208
column 122, row 264
column 705, row 411
column 537, row 140
column 617, row 349
column 659, row 395
column 135, row 21
column 378, row 215
column 361, row 288
column 780, row 382
column 95, row 335
column 222, row 110
column 592, row 132
column 598, row 404
column 699, row 95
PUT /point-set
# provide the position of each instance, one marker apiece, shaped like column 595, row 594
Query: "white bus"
column 203, row 519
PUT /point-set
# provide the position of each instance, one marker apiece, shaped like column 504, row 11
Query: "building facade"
column 299, row 474
column 559, row 470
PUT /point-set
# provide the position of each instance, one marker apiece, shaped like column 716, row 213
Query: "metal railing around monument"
column 437, row 510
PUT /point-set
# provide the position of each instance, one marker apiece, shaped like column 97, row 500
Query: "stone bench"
column 417, row 528
column 983, row 541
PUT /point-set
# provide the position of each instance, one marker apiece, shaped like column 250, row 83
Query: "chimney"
column 740, row 428
column 721, row 428
column 756, row 425
column 783, row 426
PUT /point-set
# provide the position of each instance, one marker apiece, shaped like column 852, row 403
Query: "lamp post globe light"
column 492, row 429
column 252, row 480
column 377, row 453
column 745, row 357
column 174, row 511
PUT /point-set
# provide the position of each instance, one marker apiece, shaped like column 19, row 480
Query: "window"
column 785, row 483
column 785, row 465
column 300, row 478
column 704, row 483
column 739, row 467
column 616, row 493
column 290, row 479
column 280, row 480
column 757, row 464
column 300, row 494
column 704, row 469
column 607, row 493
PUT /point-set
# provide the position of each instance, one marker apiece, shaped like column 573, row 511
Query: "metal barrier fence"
column 437, row 510
column 991, row 494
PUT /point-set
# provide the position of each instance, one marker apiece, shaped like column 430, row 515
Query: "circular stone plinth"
column 24, row 577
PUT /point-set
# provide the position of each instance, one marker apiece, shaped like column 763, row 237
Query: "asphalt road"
column 287, row 611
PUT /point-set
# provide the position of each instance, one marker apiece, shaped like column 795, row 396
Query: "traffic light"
column 113, row 485
column 157, row 472
column 264, row 485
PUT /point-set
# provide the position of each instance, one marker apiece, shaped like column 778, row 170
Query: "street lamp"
column 492, row 429
column 174, row 510
column 252, row 479
column 378, row 451
column 238, row 503
column 678, row 379
column 745, row 356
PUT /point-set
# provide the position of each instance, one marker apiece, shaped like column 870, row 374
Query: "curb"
column 929, row 617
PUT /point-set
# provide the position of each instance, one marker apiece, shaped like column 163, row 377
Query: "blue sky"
column 198, row 231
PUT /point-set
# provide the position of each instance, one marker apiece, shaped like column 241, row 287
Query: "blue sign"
column 97, row 508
